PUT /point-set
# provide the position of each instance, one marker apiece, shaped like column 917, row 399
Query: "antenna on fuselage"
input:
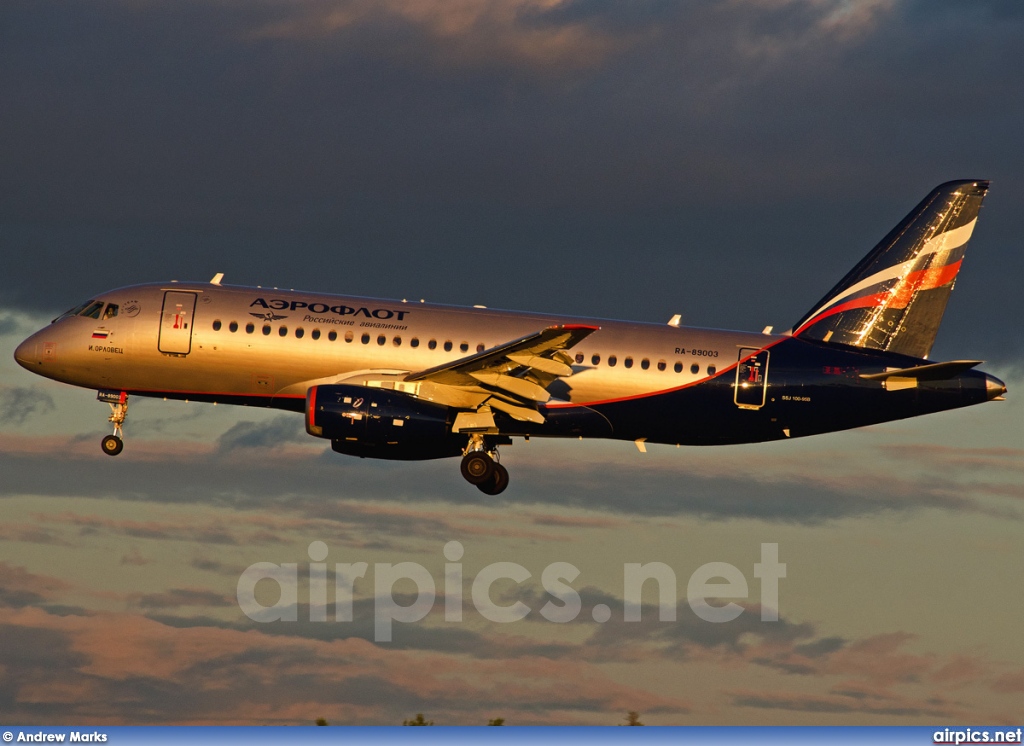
column 217, row 278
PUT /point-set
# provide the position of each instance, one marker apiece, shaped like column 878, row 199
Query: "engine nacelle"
column 380, row 423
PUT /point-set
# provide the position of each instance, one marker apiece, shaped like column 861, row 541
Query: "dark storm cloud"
column 666, row 156
column 615, row 640
column 18, row 403
column 273, row 434
column 314, row 487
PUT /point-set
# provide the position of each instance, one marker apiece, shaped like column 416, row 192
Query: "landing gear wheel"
column 477, row 467
column 112, row 445
column 497, row 483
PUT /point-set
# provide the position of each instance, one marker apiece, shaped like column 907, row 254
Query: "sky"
column 726, row 161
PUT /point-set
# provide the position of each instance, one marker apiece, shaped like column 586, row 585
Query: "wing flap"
column 518, row 386
column 515, row 374
column 506, row 358
column 516, row 412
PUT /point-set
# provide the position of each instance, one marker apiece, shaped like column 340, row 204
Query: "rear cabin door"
column 751, row 378
column 176, row 322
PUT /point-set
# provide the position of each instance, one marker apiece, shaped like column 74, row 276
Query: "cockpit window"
column 93, row 311
column 74, row 311
column 111, row 311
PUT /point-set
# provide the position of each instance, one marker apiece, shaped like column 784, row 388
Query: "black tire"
column 497, row 483
column 477, row 467
column 112, row 445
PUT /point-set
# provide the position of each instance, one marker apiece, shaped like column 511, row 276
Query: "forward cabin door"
column 751, row 379
column 176, row 323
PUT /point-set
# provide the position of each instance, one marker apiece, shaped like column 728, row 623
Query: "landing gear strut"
column 118, row 401
column 480, row 466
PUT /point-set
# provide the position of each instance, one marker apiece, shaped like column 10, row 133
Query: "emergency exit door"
column 176, row 323
column 751, row 379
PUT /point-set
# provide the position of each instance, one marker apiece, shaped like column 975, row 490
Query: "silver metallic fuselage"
column 272, row 364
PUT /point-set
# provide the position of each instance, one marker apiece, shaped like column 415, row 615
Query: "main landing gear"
column 480, row 467
column 113, row 444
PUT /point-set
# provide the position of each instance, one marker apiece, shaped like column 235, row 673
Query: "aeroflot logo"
column 279, row 304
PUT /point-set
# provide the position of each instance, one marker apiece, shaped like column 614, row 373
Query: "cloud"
column 18, row 403
column 280, row 430
column 20, row 588
column 151, row 673
column 245, row 469
column 1010, row 682
column 547, row 131
column 838, row 704
column 178, row 597
column 69, row 665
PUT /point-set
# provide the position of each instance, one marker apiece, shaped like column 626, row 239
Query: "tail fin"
column 894, row 299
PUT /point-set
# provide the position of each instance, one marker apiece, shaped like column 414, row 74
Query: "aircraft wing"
column 515, row 373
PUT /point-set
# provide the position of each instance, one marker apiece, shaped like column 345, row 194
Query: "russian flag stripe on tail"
column 895, row 297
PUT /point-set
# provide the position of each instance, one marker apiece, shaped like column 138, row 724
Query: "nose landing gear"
column 118, row 401
column 480, row 466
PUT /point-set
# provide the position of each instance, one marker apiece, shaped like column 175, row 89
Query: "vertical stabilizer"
column 894, row 299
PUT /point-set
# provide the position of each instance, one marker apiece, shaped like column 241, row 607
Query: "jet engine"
column 380, row 423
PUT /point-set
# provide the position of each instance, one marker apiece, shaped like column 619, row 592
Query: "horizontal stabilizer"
column 933, row 372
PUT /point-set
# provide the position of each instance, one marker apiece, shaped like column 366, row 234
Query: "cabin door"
column 751, row 378
column 176, row 323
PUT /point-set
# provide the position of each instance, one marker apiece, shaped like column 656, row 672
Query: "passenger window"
column 695, row 369
column 579, row 358
column 645, row 363
column 678, row 367
column 283, row 331
column 464, row 347
column 661, row 365
column 414, row 342
column 432, row 344
column 612, row 360
column 266, row 330
column 448, row 346
column 315, row 334
column 480, row 348
column 382, row 340
column 348, row 336
column 596, row 360
column 250, row 328
column 300, row 333
column 111, row 311
column 628, row 362
column 216, row 325
column 332, row 336
column 711, row 370
column 397, row 341
column 365, row 339
column 233, row 327
column 93, row 311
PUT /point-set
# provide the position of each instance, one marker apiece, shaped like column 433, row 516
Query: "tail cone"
column 994, row 388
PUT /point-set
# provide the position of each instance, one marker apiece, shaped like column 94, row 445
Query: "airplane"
column 413, row 380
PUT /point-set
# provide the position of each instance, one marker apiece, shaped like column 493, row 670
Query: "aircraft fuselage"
column 631, row 381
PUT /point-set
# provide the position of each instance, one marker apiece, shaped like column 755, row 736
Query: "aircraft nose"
column 26, row 355
column 994, row 388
